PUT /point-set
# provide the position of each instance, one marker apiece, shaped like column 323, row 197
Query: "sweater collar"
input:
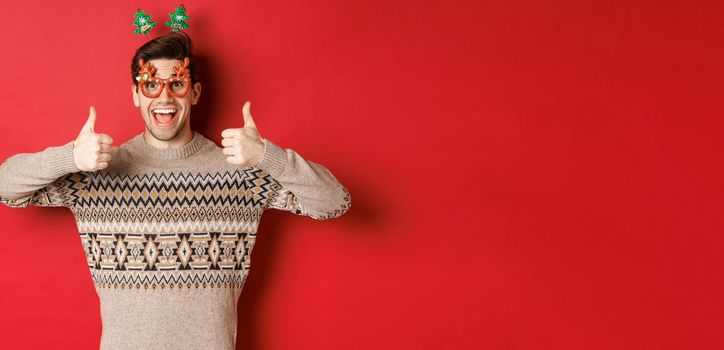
column 185, row 151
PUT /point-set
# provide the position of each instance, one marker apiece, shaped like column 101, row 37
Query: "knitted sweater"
column 168, row 233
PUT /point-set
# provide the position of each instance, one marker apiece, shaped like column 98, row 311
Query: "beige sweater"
column 168, row 234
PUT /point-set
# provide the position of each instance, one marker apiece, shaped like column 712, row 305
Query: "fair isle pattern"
column 168, row 233
column 168, row 280
column 123, row 260
column 190, row 251
column 171, row 230
column 105, row 224
column 62, row 192
column 244, row 187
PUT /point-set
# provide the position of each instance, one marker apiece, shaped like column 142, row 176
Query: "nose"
column 165, row 95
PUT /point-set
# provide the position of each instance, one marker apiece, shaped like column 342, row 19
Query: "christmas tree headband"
column 150, row 85
column 144, row 23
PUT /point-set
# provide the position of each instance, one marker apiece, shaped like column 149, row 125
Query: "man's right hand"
column 91, row 151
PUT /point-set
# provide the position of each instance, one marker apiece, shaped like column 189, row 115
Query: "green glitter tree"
column 178, row 19
column 143, row 23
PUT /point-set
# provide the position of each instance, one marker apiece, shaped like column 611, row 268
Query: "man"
column 168, row 219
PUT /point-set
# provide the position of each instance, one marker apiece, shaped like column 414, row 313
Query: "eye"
column 151, row 85
column 177, row 84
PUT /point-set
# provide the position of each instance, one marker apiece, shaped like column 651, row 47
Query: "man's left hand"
column 243, row 146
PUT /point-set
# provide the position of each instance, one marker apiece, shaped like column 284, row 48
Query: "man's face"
column 164, row 126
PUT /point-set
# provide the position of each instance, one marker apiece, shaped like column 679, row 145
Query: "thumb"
column 246, row 111
column 91, row 122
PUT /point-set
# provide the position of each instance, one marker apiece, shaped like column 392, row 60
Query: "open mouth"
column 164, row 117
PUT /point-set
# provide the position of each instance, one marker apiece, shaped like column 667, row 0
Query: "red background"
column 524, row 174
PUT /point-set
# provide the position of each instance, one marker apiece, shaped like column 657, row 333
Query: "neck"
column 184, row 137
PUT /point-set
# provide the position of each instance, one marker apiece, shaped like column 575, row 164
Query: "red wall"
column 524, row 174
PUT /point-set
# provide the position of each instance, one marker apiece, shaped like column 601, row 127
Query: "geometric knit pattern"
column 174, row 255
column 168, row 234
column 70, row 188
column 199, row 222
column 240, row 188
column 170, row 205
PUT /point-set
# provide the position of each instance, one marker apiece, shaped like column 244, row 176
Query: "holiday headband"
column 152, row 86
column 144, row 23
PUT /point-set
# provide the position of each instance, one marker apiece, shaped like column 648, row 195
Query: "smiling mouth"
column 164, row 117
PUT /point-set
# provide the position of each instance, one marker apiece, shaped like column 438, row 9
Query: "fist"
column 243, row 146
column 91, row 151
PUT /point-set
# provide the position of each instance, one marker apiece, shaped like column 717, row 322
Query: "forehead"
column 164, row 67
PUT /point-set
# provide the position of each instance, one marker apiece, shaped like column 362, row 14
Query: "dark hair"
column 175, row 45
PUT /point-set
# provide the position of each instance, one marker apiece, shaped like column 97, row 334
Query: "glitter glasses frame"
column 147, row 70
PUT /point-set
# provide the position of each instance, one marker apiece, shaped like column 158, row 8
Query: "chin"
column 166, row 135
column 163, row 133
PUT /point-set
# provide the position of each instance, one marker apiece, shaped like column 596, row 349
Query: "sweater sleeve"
column 47, row 178
column 306, row 188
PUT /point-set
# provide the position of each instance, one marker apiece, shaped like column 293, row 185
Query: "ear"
column 195, row 93
column 134, row 91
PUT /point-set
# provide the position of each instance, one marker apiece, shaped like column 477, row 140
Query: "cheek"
column 145, row 103
column 185, row 104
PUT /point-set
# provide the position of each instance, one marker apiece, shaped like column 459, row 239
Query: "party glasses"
column 151, row 87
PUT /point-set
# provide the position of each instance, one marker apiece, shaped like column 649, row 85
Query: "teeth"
column 164, row 111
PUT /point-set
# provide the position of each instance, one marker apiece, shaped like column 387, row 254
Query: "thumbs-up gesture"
column 243, row 146
column 91, row 151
